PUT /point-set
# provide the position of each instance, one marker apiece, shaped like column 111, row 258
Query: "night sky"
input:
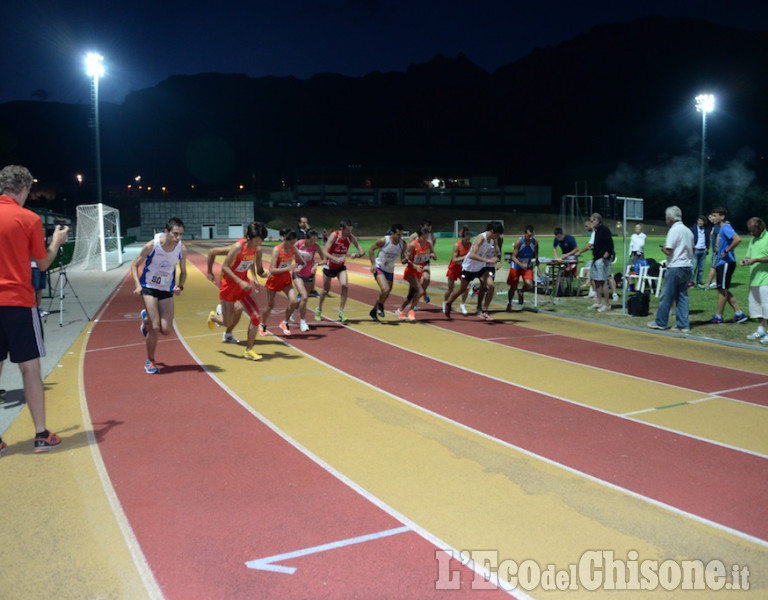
column 143, row 42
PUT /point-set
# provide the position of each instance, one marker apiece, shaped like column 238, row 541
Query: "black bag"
column 653, row 268
column 639, row 304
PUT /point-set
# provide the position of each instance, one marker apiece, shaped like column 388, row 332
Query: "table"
column 559, row 271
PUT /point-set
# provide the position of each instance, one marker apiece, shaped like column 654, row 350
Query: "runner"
column 525, row 254
column 244, row 256
column 217, row 318
column 304, row 279
column 383, row 265
column 426, row 276
column 280, row 278
column 157, row 284
column 336, row 249
column 460, row 250
column 480, row 262
column 418, row 252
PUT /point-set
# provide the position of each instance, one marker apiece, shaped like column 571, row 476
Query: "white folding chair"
column 654, row 283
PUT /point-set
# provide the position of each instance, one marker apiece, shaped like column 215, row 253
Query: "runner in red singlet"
column 280, row 278
column 417, row 254
column 336, row 249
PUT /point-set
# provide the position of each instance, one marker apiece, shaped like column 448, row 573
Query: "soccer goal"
column 475, row 225
column 97, row 238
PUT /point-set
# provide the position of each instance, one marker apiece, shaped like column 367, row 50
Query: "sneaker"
column 712, row 286
column 615, row 297
column 716, row 320
column 262, row 329
column 144, row 322
column 604, row 308
column 509, row 307
column 595, row 306
column 426, row 298
column 303, row 326
column 43, row 313
column 43, row 444
column 150, row 368
column 218, row 310
column 701, row 286
column 3, row 447
column 592, row 294
column 764, row 340
column 380, row 308
column 740, row 318
column 400, row 314
column 374, row 315
column 318, row 314
column 756, row 336
column 292, row 318
column 678, row 330
column 411, row 315
column 251, row 355
column 484, row 315
column 211, row 322
column 228, row 338
column 284, row 328
column 447, row 310
column 342, row 317
column 462, row 308
column 655, row 325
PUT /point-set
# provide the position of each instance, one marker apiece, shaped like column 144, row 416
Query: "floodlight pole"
column 704, row 103
column 95, row 68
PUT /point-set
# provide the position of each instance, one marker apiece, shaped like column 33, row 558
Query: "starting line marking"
column 266, row 564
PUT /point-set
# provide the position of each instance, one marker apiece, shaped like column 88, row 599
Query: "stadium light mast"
column 705, row 103
column 94, row 68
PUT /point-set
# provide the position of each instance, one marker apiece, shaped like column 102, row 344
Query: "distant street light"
column 94, row 68
column 705, row 103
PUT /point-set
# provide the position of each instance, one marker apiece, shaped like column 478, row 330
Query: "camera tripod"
column 62, row 281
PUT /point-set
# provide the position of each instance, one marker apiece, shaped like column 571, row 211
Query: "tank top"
column 487, row 250
column 307, row 254
column 243, row 261
column 339, row 248
column 160, row 267
column 388, row 254
column 420, row 255
column 524, row 254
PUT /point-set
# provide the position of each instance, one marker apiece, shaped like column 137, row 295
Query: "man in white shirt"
column 700, row 249
column 679, row 250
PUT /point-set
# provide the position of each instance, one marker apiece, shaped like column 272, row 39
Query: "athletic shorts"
column 513, row 277
column 724, row 273
column 470, row 275
column 21, row 334
column 454, row 271
column 305, row 279
column 230, row 291
column 387, row 275
column 277, row 283
column 333, row 272
column 38, row 279
column 601, row 269
column 411, row 272
column 159, row 294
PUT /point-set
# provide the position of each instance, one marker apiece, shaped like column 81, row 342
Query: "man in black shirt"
column 602, row 265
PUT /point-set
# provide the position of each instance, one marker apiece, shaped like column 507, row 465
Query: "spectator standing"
column 21, row 237
column 714, row 229
column 602, row 264
column 679, row 250
column 700, row 250
column 637, row 244
column 302, row 227
column 727, row 240
column 757, row 261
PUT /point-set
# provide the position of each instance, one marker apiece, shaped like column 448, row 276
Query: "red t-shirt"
column 22, row 239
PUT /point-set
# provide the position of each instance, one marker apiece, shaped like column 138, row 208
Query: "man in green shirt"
column 757, row 261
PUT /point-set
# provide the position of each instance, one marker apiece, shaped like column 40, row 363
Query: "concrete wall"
column 214, row 219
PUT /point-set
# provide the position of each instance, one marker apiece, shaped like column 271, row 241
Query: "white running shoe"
column 228, row 338
column 615, row 297
column 462, row 308
column 218, row 309
column 303, row 326
column 592, row 294
column 756, row 336
column 604, row 308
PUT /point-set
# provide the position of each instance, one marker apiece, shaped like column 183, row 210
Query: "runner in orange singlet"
column 460, row 250
column 418, row 252
column 280, row 278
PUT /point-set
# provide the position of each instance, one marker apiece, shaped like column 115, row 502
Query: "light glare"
column 705, row 103
column 94, row 64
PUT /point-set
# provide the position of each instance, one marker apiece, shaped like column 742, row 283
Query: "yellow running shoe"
column 251, row 354
column 211, row 322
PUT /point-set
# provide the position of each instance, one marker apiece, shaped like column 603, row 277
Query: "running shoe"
column 318, row 314
column 218, row 310
column 342, row 317
column 411, row 315
column 462, row 308
column 303, row 326
column 43, row 444
column 3, row 447
column 712, row 285
column 740, row 318
column 228, row 338
column 373, row 314
column 211, row 322
column 251, row 355
column 595, row 306
column 43, row 313
column 262, row 329
column 150, row 368
column 604, row 308
column 716, row 320
column 447, row 310
column 756, row 336
column 615, row 297
column 292, row 318
column 382, row 314
column 144, row 323
column 400, row 314
column 284, row 328
column 764, row 340
column 426, row 298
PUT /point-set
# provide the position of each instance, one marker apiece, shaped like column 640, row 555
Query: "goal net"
column 475, row 225
column 97, row 238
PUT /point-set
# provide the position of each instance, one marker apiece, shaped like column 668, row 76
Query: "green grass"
column 703, row 303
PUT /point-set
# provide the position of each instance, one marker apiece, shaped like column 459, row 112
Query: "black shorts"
column 470, row 275
column 724, row 273
column 159, row 294
column 333, row 272
column 21, row 334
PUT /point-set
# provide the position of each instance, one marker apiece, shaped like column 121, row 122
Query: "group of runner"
column 292, row 272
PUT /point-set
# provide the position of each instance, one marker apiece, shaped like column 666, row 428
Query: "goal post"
column 475, row 225
column 97, row 238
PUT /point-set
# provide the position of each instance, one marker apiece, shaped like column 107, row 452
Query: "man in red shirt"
column 21, row 331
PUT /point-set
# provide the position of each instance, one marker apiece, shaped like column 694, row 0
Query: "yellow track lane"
column 471, row 491
column 58, row 517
